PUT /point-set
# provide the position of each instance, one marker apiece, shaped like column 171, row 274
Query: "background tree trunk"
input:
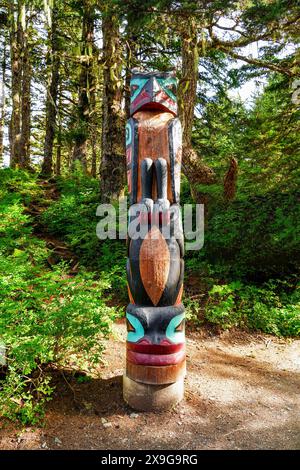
column 26, row 102
column 2, row 102
column 93, row 126
column 86, row 83
column 131, row 62
column 59, row 133
column 52, row 92
column 16, row 37
column 193, row 167
column 112, row 169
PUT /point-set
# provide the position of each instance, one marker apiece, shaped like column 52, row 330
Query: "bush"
column 255, row 239
column 47, row 316
column 73, row 219
column 268, row 308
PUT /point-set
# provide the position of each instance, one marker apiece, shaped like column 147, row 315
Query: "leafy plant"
column 265, row 308
column 47, row 316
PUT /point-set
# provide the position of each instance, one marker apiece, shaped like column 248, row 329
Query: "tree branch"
column 259, row 62
column 246, row 40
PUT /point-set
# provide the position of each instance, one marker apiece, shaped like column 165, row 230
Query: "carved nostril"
column 157, row 339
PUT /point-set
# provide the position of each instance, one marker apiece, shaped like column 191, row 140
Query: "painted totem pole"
column 155, row 363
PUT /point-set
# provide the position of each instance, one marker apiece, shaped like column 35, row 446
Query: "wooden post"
column 155, row 363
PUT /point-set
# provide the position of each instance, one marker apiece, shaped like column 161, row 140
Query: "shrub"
column 47, row 316
column 268, row 308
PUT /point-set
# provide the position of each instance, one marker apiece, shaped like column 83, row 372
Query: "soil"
column 242, row 392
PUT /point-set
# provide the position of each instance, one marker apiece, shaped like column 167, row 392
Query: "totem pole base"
column 145, row 397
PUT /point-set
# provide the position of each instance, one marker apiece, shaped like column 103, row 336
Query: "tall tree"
column 193, row 166
column 52, row 88
column 59, row 132
column 112, row 169
column 26, row 97
column 16, row 23
column 86, row 84
column 2, row 100
column 93, row 125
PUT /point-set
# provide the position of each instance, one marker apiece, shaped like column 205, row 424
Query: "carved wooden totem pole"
column 155, row 363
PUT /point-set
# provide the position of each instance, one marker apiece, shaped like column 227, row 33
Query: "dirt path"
column 242, row 392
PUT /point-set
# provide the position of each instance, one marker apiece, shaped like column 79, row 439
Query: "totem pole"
column 155, row 363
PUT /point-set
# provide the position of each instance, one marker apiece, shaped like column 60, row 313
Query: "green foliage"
column 47, row 316
column 257, row 238
column 73, row 218
column 268, row 308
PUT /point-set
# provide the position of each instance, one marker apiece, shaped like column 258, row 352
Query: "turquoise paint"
column 164, row 83
column 175, row 336
column 140, row 83
column 128, row 134
column 134, row 336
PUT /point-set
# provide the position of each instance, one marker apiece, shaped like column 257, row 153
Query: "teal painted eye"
column 175, row 329
column 136, row 86
column 135, row 330
column 169, row 85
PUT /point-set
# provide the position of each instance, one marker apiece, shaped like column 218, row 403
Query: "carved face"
column 153, row 91
column 155, row 335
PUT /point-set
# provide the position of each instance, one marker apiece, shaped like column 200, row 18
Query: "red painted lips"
column 162, row 354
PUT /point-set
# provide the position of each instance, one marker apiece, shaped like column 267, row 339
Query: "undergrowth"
column 48, row 316
column 51, row 317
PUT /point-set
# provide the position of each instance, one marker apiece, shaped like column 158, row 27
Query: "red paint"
column 140, row 98
column 128, row 155
column 145, row 347
column 152, row 106
column 161, row 97
column 156, row 359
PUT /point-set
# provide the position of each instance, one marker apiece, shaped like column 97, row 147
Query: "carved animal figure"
column 155, row 266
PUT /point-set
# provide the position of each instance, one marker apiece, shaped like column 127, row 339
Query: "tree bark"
column 94, row 153
column 26, row 103
column 131, row 62
column 112, row 168
column 58, row 151
column 193, row 167
column 2, row 102
column 93, row 131
column 52, row 92
column 59, row 133
column 86, row 83
column 16, row 35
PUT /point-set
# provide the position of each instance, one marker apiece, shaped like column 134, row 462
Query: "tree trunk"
column 2, row 102
column 94, row 122
column 26, row 103
column 131, row 62
column 86, row 83
column 112, row 168
column 230, row 180
column 16, row 37
column 59, row 133
column 52, row 92
column 58, row 151
column 94, row 153
column 195, row 170
column 93, row 127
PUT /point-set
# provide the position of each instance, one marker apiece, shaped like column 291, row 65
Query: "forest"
column 65, row 69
